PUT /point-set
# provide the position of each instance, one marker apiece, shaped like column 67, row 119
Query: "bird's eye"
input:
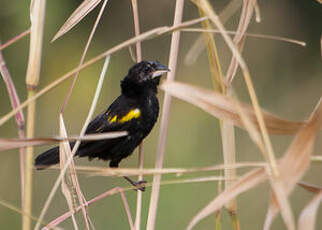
column 146, row 69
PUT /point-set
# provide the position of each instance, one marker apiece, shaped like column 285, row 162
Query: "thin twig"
column 13, row 40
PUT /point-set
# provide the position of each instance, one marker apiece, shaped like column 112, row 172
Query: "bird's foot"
column 140, row 185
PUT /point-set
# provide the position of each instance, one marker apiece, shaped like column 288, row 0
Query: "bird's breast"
column 150, row 112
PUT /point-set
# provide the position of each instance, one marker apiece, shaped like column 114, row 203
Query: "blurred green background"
column 287, row 79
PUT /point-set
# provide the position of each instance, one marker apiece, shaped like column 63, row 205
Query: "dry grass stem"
column 20, row 120
column 37, row 17
column 17, row 210
column 15, row 39
column 103, row 171
column 13, row 143
column 137, row 224
column 127, row 209
column 173, row 56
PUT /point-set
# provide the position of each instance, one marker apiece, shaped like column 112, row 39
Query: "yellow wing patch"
column 112, row 119
column 134, row 113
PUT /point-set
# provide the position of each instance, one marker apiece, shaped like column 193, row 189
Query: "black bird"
column 136, row 110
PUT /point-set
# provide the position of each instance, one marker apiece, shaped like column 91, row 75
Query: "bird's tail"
column 48, row 158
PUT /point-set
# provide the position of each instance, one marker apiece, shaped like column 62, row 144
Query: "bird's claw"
column 140, row 185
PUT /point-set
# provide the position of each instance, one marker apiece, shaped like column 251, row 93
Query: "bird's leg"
column 138, row 184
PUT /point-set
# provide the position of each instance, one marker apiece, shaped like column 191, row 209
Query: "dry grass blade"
column 67, row 185
column 246, row 182
column 70, row 185
column 310, row 187
column 6, row 144
column 252, row 35
column 239, row 39
column 223, row 107
column 81, row 11
column 296, row 160
column 308, row 215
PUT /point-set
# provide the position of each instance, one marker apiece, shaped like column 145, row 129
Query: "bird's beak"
column 159, row 70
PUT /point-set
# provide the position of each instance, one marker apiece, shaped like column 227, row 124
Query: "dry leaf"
column 308, row 214
column 239, row 39
column 246, row 182
column 81, row 11
column 223, row 107
column 296, row 160
column 309, row 187
column 67, row 186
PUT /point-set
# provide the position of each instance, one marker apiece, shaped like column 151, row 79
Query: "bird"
column 135, row 111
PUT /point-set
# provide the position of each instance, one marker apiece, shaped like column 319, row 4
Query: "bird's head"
column 143, row 76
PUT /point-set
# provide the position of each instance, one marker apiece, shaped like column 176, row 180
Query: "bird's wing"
column 118, row 117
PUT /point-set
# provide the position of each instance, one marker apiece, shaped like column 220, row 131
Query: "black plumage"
column 135, row 111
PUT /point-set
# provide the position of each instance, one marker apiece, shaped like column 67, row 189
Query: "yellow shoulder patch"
column 112, row 119
column 134, row 113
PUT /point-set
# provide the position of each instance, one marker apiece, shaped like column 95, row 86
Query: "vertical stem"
column 137, row 29
column 20, row 120
column 137, row 223
column 37, row 17
column 138, row 59
column 174, row 49
column 28, row 166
